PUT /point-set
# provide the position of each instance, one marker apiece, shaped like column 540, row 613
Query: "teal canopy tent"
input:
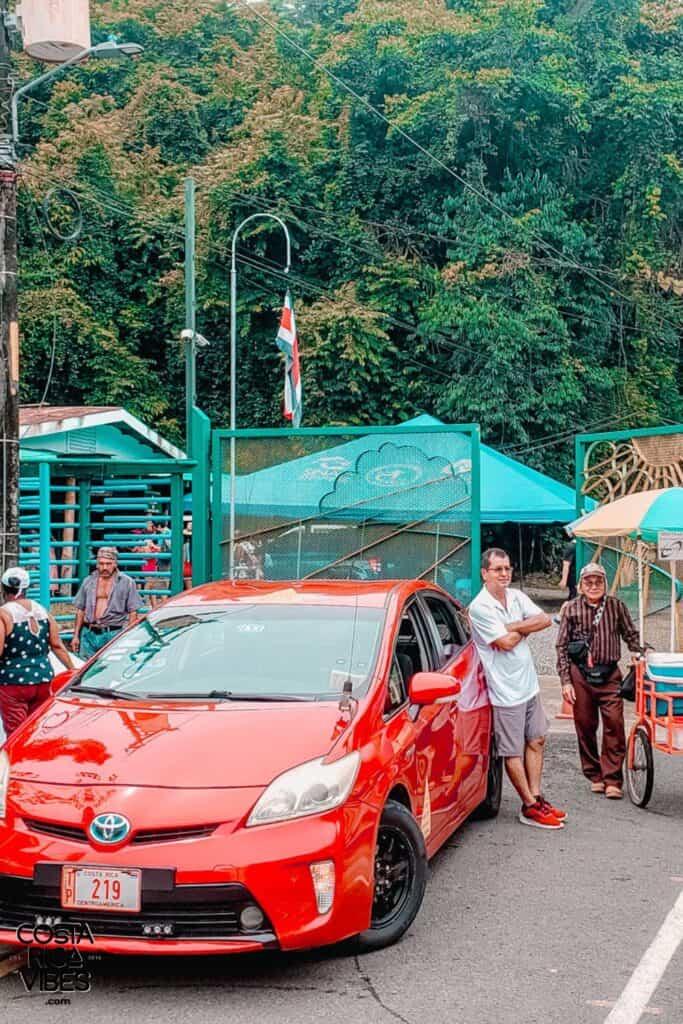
column 386, row 478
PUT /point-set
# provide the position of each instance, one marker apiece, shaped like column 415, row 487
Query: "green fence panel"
column 349, row 503
column 70, row 508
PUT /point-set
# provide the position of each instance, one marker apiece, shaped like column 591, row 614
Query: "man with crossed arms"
column 502, row 618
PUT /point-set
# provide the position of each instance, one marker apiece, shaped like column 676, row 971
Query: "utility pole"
column 9, row 324
column 190, row 313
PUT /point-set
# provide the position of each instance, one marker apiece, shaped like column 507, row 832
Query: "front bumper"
column 201, row 897
column 31, row 912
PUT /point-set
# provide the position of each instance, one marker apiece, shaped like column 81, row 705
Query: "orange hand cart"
column 659, row 721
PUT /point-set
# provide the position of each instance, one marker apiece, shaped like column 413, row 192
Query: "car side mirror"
column 433, row 688
column 61, row 680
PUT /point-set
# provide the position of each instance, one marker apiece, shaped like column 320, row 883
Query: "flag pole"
column 233, row 361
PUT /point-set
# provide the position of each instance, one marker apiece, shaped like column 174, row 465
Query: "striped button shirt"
column 576, row 624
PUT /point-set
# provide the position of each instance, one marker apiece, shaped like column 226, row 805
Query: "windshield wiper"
column 153, row 632
column 102, row 691
column 229, row 695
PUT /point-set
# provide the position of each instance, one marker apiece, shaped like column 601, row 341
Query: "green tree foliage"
column 484, row 198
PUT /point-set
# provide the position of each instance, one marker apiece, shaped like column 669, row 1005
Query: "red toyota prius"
column 253, row 766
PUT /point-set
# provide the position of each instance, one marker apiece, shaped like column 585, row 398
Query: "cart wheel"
column 640, row 767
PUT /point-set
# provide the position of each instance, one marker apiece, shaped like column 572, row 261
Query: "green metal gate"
column 71, row 507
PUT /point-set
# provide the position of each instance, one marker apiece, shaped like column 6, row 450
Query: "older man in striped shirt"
column 592, row 628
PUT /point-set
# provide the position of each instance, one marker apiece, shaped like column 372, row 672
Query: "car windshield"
column 241, row 652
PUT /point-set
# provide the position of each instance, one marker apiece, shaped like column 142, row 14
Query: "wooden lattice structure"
column 642, row 462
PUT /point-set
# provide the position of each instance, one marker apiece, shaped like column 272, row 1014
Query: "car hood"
column 86, row 741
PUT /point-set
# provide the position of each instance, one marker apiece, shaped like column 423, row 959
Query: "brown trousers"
column 592, row 703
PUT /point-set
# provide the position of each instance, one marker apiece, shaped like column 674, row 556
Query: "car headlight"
column 4, row 782
column 310, row 788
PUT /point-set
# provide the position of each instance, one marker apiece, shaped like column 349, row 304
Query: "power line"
column 49, row 264
column 132, row 212
column 277, row 205
column 431, row 156
column 260, row 262
column 283, row 204
column 410, row 359
column 268, row 267
column 394, row 228
column 563, row 261
column 551, row 440
column 279, row 202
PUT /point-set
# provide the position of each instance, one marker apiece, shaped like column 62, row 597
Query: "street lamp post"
column 111, row 50
column 233, row 360
column 9, row 326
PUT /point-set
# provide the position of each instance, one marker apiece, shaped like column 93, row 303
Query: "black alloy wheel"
column 640, row 767
column 400, row 878
column 490, row 805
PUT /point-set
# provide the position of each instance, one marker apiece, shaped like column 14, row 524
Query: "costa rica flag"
column 288, row 343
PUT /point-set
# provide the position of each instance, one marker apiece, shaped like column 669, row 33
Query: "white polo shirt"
column 510, row 675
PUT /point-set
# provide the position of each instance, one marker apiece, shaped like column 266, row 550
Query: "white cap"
column 16, row 578
column 593, row 569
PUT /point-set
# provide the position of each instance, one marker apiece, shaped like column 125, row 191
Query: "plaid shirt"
column 576, row 624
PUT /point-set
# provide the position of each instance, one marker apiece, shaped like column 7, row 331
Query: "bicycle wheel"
column 640, row 767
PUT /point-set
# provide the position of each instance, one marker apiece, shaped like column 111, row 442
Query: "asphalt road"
column 518, row 926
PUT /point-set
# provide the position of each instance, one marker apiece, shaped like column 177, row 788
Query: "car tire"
column 400, row 844
column 490, row 805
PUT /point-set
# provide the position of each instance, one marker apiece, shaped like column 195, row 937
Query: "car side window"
column 397, row 688
column 409, row 658
column 463, row 620
column 446, row 625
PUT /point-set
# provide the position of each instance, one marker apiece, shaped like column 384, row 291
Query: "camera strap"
column 596, row 622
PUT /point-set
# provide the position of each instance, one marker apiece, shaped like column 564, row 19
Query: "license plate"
column 101, row 889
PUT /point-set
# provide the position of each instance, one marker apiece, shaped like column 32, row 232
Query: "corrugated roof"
column 46, row 420
column 30, row 415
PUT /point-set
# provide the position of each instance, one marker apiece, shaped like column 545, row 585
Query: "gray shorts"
column 514, row 726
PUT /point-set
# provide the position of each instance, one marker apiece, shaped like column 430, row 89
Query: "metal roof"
column 46, row 420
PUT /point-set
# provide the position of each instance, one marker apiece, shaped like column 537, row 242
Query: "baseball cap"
column 593, row 569
column 16, row 578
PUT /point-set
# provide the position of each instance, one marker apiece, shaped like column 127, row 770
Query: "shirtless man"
column 107, row 601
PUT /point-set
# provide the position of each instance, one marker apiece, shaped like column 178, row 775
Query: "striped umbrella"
column 644, row 515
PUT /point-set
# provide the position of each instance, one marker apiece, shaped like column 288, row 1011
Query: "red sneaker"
column 560, row 815
column 539, row 816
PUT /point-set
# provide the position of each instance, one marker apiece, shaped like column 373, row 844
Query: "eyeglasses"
column 591, row 581
column 503, row 569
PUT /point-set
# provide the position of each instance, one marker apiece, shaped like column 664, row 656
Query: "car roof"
column 363, row 593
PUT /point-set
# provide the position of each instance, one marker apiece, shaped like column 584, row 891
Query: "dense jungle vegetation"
column 484, row 198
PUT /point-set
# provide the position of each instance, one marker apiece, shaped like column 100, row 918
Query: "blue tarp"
column 399, row 478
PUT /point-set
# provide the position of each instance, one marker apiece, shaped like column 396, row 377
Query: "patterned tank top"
column 25, row 660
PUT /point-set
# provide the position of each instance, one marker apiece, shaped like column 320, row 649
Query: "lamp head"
column 112, row 50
